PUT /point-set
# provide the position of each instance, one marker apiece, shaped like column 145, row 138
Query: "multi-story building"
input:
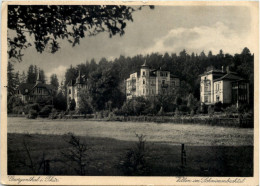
column 73, row 89
column 39, row 92
column 148, row 82
column 221, row 86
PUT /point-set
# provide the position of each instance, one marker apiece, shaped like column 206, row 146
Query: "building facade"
column 39, row 92
column 73, row 89
column 149, row 82
column 225, row 87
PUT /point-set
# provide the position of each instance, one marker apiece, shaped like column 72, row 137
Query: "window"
column 163, row 82
column 143, row 73
column 161, row 74
column 166, row 74
column 143, row 81
column 69, row 91
column 217, row 86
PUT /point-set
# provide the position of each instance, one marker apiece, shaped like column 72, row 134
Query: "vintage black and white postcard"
column 129, row 93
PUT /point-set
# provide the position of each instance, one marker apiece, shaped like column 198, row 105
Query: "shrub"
column 53, row 114
column 192, row 113
column 135, row 106
column 211, row 111
column 84, row 106
column 61, row 115
column 72, row 105
column 32, row 114
column 243, row 108
column 218, row 106
column 72, row 112
column 183, row 108
column 177, row 113
column 203, row 109
column 117, row 112
column 161, row 112
column 13, row 102
column 34, row 106
column 178, row 101
column 45, row 111
column 230, row 111
column 18, row 110
column 135, row 162
column 77, row 153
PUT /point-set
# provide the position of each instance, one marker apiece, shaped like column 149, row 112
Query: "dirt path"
column 163, row 132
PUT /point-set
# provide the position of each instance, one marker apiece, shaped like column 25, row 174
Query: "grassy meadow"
column 210, row 151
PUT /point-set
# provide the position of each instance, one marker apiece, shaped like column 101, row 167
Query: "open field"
column 174, row 134
column 210, row 150
column 106, row 154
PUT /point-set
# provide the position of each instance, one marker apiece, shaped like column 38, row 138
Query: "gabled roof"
column 43, row 85
column 215, row 71
column 230, row 77
column 22, row 87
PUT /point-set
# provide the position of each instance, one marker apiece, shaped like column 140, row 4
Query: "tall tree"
column 42, row 74
column 22, row 78
column 12, row 80
column 48, row 23
column 54, row 81
column 31, row 76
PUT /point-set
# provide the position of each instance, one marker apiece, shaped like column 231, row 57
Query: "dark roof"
column 230, row 77
column 43, row 85
column 215, row 71
column 22, row 87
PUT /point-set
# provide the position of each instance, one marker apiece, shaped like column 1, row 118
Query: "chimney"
column 222, row 68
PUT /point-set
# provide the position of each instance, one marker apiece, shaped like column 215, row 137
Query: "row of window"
column 162, row 74
column 243, row 86
column 146, row 91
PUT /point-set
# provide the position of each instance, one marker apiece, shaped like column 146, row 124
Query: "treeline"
column 106, row 79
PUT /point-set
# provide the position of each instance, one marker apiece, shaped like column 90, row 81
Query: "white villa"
column 149, row 82
column 221, row 86
column 73, row 88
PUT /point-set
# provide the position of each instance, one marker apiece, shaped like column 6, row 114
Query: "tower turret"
column 39, row 78
column 79, row 79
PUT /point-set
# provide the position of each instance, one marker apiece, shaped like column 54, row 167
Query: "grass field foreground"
column 106, row 154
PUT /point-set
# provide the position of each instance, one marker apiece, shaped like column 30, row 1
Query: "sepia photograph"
column 130, row 90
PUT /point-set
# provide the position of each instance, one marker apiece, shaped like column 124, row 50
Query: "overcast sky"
column 164, row 29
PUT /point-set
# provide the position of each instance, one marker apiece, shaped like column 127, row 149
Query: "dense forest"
column 107, row 78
